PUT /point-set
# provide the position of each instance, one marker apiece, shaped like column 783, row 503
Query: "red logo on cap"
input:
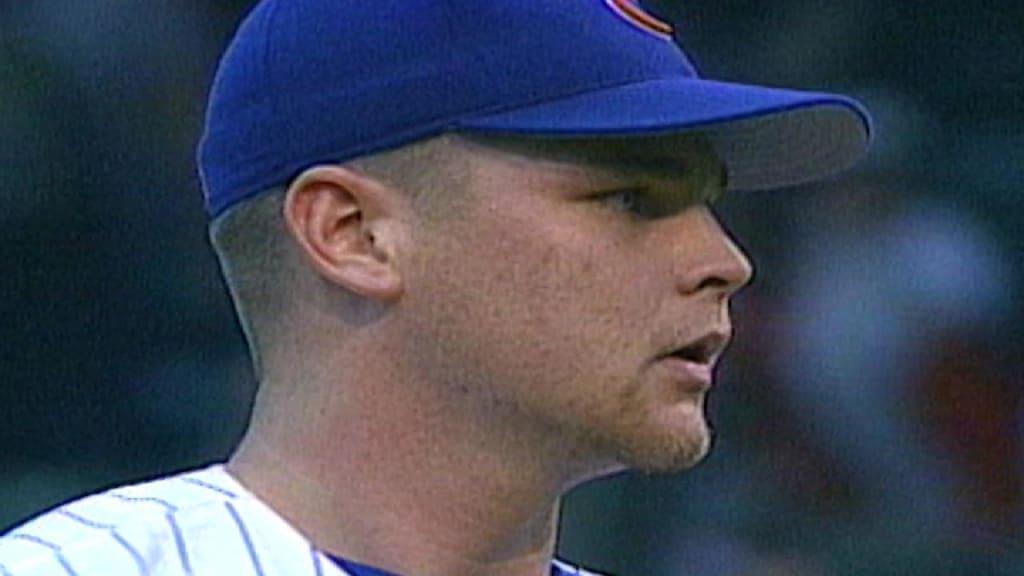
column 631, row 11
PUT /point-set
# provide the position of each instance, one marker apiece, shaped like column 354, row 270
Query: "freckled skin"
column 541, row 310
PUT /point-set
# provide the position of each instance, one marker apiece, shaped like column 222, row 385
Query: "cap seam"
column 268, row 70
column 497, row 109
column 449, row 17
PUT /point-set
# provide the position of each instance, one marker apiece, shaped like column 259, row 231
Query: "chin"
column 668, row 461
column 667, row 450
column 651, row 437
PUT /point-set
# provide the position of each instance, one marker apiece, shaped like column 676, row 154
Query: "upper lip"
column 704, row 349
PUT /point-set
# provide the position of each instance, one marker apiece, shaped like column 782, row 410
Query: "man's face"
column 553, row 299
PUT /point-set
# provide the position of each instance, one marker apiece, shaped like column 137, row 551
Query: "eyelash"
column 639, row 203
column 632, row 193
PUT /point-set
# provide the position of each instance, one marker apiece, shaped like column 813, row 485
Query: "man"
column 471, row 248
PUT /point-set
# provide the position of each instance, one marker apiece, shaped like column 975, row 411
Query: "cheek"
column 561, row 304
column 532, row 312
column 561, row 285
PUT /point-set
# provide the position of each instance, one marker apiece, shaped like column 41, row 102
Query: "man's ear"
column 348, row 227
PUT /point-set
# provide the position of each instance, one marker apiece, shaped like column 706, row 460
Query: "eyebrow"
column 661, row 167
column 620, row 159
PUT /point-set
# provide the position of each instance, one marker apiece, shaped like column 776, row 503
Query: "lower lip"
column 692, row 376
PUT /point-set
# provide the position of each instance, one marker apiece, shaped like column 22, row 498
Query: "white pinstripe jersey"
column 199, row 523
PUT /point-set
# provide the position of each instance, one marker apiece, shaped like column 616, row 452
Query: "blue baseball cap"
column 307, row 82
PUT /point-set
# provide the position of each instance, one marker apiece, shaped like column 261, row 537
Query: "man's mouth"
column 704, row 350
column 692, row 364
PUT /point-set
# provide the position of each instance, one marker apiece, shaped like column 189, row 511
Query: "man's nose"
column 709, row 259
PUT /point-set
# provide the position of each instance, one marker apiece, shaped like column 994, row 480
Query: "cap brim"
column 767, row 137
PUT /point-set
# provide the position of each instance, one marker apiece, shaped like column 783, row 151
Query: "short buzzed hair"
column 260, row 261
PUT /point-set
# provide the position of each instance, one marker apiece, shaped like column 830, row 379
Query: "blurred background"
column 868, row 418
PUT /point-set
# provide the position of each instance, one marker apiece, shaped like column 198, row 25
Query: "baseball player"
column 471, row 247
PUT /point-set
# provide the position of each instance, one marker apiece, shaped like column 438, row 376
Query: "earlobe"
column 345, row 224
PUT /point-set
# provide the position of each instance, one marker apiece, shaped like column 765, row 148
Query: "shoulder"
column 199, row 522
column 562, row 568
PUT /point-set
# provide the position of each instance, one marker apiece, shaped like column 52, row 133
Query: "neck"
column 422, row 491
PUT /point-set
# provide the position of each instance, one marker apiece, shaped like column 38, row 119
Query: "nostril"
column 694, row 353
column 713, row 282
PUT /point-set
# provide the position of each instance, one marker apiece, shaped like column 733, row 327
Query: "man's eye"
column 622, row 200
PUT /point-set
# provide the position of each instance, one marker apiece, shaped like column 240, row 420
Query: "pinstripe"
column 113, row 533
column 84, row 520
column 64, row 563
column 318, row 569
column 139, row 560
column 245, row 537
column 170, row 507
column 37, row 540
column 179, row 541
column 51, row 546
column 208, row 486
